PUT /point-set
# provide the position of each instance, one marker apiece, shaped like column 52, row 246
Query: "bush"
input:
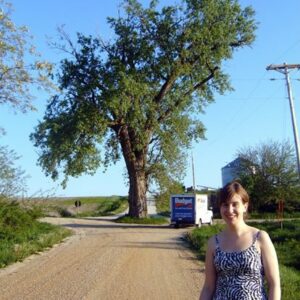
column 12, row 178
column 21, row 234
column 12, row 216
column 64, row 212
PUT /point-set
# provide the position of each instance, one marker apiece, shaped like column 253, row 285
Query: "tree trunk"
column 137, row 194
column 135, row 163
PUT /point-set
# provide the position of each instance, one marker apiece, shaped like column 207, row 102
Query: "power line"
column 230, row 122
column 284, row 69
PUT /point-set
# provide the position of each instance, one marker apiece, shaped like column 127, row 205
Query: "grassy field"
column 150, row 220
column 286, row 242
column 21, row 234
column 90, row 206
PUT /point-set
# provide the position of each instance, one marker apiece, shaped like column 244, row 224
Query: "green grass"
column 273, row 216
column 199, row 237
column 106, row 206
column 85, row 200
column 149, row 220
column 21, row 234
column 287, row 245
column 90, row 206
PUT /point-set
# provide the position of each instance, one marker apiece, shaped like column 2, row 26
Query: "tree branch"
column 202, row 82
column 165, row 88
column 165, row 114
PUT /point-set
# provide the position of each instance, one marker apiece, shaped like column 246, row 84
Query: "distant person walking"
column 238, row 258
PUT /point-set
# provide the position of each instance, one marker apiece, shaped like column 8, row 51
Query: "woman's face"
column 233, row 210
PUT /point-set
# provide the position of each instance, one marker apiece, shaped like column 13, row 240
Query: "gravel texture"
column 105, row 260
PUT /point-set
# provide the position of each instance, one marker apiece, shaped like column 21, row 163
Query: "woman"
column 238, row 258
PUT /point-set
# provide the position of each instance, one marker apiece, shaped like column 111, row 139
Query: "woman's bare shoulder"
column 263, row 236
column 211, row 243
column 264, row 240
column 253, row 229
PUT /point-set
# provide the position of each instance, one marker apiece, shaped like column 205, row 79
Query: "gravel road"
column 105, row 260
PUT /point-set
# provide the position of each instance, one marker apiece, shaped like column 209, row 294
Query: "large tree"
column 269, row 173
column 140, row 94
column 17, row 74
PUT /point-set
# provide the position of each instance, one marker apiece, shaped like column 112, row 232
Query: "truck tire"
column 200, row 223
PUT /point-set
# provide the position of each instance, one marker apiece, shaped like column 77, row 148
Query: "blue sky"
column 255, row 112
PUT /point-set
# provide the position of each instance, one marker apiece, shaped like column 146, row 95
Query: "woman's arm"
column 271, row 268
column 210, row 272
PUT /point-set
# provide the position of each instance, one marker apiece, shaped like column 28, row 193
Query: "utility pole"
column 284, row 69
column 194, row 187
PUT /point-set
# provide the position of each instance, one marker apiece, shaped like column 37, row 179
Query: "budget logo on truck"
column 184, row 203
column 183, row 208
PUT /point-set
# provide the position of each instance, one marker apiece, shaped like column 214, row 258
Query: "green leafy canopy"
column 141, row 94
column 269, row 173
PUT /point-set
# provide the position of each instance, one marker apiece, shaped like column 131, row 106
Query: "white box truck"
column 190, row 209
